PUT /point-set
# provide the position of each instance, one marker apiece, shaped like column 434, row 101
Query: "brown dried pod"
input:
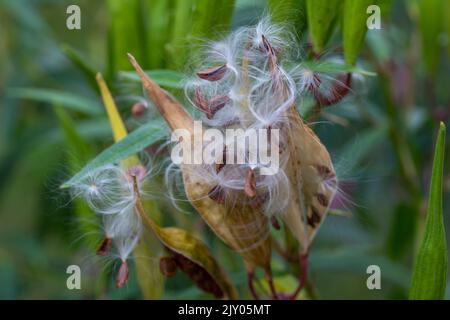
column 168, row 266
column 213, row 74
column 104, row 247
column 122, row 275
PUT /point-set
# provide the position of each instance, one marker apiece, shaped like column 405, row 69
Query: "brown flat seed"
column 122, row 275
column 322, row 199
column 250, row 185
column 213, row 74
column 168, row 266
column 201, row 103
column 217, row 103
column 104, row 247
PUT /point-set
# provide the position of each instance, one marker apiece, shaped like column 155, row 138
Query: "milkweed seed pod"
column 245, row 85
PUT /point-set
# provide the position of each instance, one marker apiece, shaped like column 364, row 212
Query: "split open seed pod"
column 243, row 227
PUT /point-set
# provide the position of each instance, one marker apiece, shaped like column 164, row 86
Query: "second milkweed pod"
column 311, row 174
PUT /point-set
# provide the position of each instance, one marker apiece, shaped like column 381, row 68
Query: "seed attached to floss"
column 339, row 89
column 122, row 275
column 104, row 247
column 138, row 109
column 250, row 185
column 213, row 74
column 138, row 171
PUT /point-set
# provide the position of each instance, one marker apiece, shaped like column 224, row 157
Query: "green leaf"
column 165, row 78
column 354, row 27
column 431, row 25
column 182, row 21
column 156, row 25
column 430, row 270
column 321, row 17
column 402, row 231
column 78, row 153
column 128, row 146
column 124, row 34
column 80, row 62
column 211, row 18
column 59, row 98
column 289, row 11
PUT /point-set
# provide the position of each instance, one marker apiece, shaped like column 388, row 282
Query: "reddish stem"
column 250, row 276
column 303, row 275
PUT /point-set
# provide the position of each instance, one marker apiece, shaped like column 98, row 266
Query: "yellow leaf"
column 118, row 127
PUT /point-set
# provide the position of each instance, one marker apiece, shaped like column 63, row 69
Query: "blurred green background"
column 380, row 136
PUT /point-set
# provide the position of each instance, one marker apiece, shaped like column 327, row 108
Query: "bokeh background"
column 381, row 138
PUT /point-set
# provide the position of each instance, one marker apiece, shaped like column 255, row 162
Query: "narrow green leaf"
column 211, row 19
column 180, row 37
column 430, row 270
column 78, row 153
column 354, row 27
column 156, row 24
column 80, row 62
column 431, row 25
column 321, row 17
column 128, row 146
column 402, row 231
column 165, row 78
column 124, row 34
column 289, row 11
column 56, row 97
